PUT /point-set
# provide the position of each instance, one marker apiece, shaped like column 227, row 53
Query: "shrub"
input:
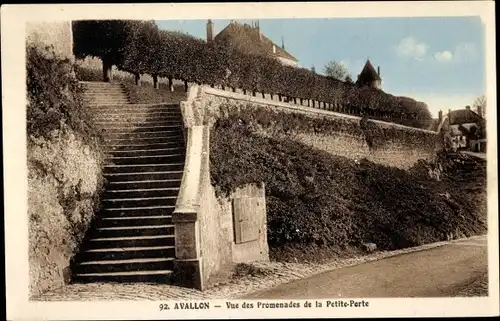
column 55, row 96
column 317, row 199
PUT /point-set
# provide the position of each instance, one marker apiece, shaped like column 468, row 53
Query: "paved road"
column 438, row 272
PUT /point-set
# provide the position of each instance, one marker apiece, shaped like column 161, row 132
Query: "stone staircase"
column 104, row 93
column 132, row 238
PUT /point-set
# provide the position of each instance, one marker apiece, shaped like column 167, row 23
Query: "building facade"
column 467, row 130
column 250, row 39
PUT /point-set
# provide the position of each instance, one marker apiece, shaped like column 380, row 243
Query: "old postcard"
column 250, row 160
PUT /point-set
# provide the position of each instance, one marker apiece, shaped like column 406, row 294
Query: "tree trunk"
column 156, row 84
column 170, row 83
column 106, row 70
column 137, row 79
column 185, row 86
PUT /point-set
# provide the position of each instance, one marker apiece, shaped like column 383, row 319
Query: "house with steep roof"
column 467, row 130
column 369, row 77
column 250, row 39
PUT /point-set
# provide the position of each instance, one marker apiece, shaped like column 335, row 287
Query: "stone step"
column 155, row 179
column 143, row 145
column 138, row 201
column 141, row 193
column 107, row 100
column 127, row 253
column 145, row 152
column 146, row 264
column 111, row 169
column 147, row 180
column 100, row 83
column 139, row 230
column 131, row 241
column 133, row 135
column 139, row 113
column 160, row 276
column 127, row 124
column 111, row 95
column 149, row 140
column 98, row 89
column 114, row 221
column 92, row 92
column 138, row 108
column 105, row 93
column 146, row 159
column 139, row 129
column 138, row 119
column 97, row 102
column 138, row 211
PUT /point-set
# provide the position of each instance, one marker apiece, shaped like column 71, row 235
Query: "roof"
column 463, row 116
column 246, row 38
column 368, row 73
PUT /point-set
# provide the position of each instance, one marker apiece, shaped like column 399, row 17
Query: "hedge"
column 175, row 55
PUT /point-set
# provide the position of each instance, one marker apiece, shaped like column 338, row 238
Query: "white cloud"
column 443, row 56
column 409, row 47
column 464, row 51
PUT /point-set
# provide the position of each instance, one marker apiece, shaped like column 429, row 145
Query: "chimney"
column 467, row 107
column 480, row 110
column 283, row 42
column 274, row 49
column 210, row 31
column 378, row 71
column 440, row 116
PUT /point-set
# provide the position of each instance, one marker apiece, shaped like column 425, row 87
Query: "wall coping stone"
column 296, row 108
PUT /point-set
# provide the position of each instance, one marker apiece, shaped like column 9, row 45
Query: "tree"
column 140, row 52
column 337, row 70
column 479, row 105
column 104, row 39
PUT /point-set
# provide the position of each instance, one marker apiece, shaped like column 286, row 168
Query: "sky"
column 437, row 60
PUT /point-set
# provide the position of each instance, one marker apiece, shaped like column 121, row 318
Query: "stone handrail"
column 188, row 199
column 318, row 104
column 188, row 264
